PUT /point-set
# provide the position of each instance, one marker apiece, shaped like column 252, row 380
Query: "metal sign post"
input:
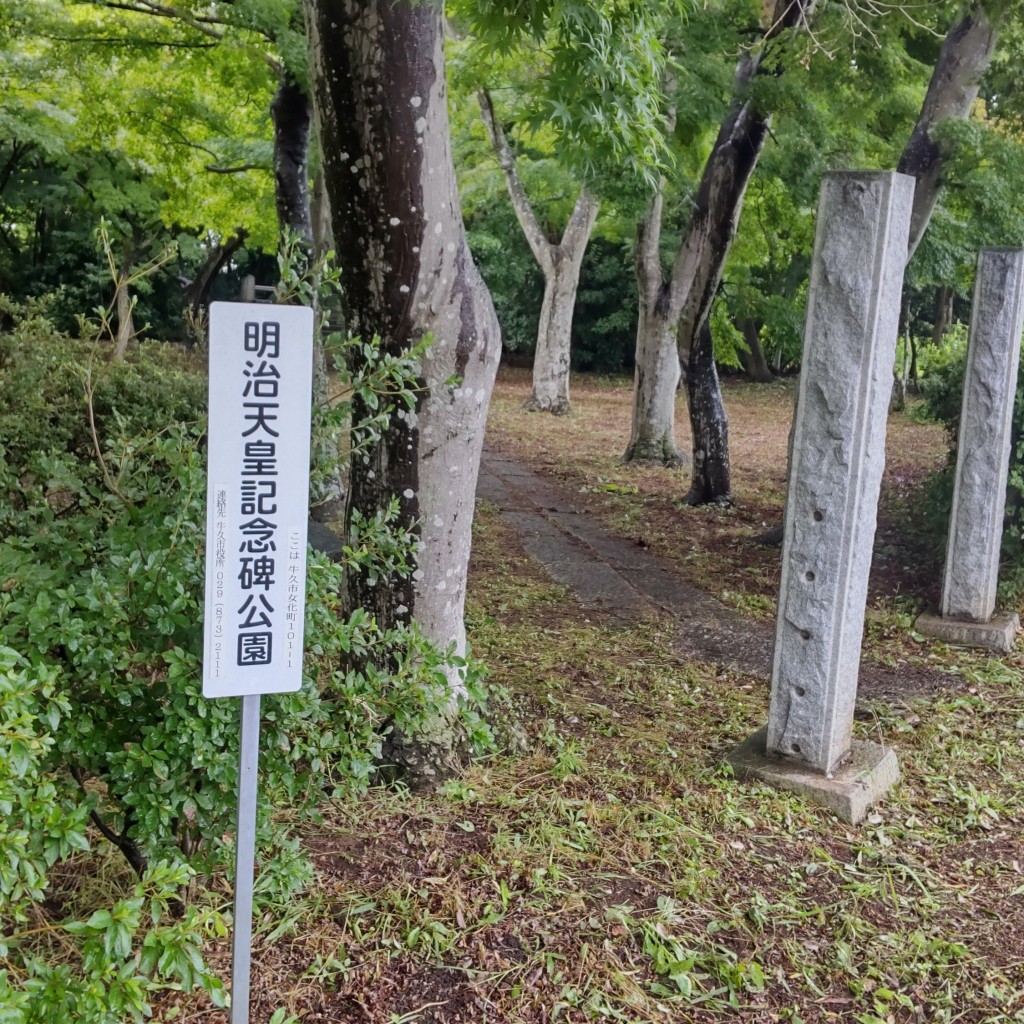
column 261, row 365
column 245, row 859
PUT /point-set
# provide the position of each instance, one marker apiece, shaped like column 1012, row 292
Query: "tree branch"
column 240, row 169
column 581, row 221
column 206, row 24
column 535, row 237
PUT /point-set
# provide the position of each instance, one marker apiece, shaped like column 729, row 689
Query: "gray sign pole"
column 245, row 859
column 257, row 497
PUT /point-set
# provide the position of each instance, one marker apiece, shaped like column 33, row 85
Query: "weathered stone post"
column 835, row 473
column 983, row 452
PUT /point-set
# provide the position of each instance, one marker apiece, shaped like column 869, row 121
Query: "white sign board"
column 257, row 494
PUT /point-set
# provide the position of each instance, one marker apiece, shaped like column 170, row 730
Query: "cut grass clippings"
column 615, row 870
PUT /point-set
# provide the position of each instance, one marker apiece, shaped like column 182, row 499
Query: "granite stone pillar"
column 835, row 473
column 983, row 452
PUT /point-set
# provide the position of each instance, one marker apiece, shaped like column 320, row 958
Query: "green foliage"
column 101, row 592
column 592, row 75
column 510, row 271
column 604, row 324
column 45, row 377
column 102, row 969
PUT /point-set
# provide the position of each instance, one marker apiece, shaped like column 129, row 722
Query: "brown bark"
column 754, row 363
column 197, row 296
column 291, row 113
column 943, row 318
column 380, row 97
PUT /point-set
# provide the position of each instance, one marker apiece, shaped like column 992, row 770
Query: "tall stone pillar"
column 983, row 453
column 838, row 452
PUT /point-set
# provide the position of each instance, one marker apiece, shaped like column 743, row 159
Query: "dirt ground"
column 603, row 865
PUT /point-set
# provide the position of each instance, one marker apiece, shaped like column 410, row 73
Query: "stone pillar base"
column 870, row 772
column 997, row 634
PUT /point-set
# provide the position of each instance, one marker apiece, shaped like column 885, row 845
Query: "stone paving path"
column 626, row 583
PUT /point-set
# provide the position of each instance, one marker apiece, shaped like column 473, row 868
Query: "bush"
column 45, row 377
column 103, row 968
column 101, row 591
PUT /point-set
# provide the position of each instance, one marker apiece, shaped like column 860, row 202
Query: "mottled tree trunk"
column 554, row 331
column 656, row 373
column 754, row 363
column 708, row 238
column 711, row 480
column 560, row 264
column 964, row 57
column 380, row 97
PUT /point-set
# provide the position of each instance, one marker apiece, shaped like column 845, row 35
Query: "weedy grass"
column 615, row 870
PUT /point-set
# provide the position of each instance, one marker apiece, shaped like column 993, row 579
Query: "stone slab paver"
column 628, row 583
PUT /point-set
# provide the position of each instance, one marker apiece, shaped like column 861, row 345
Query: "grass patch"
column 615, row 870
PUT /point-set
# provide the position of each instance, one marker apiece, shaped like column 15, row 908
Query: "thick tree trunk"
column 656, row 373
column 380, row 96
column 711, row 475
column 754, row 363
column 964, row 57
column 291, row 114
column 559, row 262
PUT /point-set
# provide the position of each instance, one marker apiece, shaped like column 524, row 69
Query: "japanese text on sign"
column 257, row 493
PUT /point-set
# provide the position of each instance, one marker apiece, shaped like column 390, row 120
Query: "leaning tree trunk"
column 380, row 97
column 656, row 373
column 560, row 264
column 711, row 478
column 197, row 295
column 964, row 57
column 754, row 363
column 710, row 232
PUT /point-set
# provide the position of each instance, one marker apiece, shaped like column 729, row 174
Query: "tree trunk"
column 197, row 296
column 708, row 237
column 291, row 114
column 944, row 295
column 964, row 57
column 554, row 332
column 380, row 96
column 754, row 363
column 710, row 426
column 124, row 305
column 560, row 263
column 656, row 376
